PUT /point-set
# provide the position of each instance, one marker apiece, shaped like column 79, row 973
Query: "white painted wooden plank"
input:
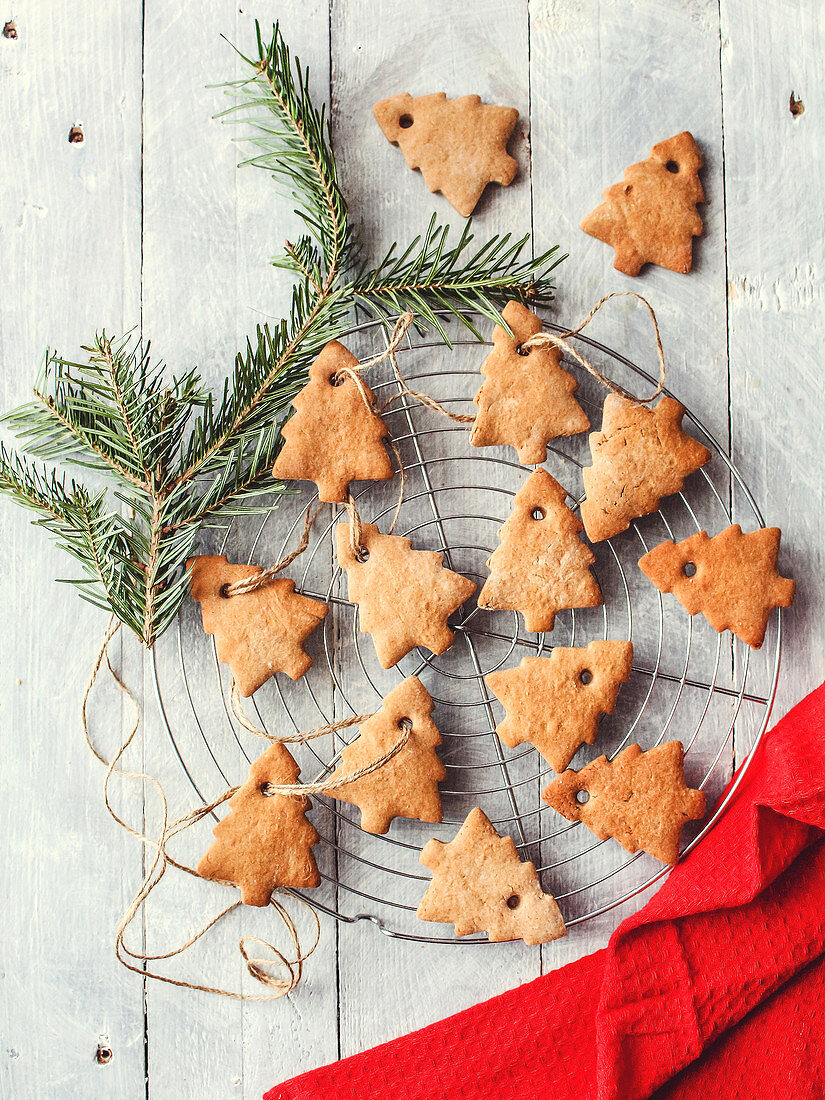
column 69, row 263
column 209, row 233
column 776, row 257
column 389, row 987
column 608, row 82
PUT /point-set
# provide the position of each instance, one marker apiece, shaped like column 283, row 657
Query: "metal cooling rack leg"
column 468, row 637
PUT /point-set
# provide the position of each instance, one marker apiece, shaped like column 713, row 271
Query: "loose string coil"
column 256, row 967
column 548, row 339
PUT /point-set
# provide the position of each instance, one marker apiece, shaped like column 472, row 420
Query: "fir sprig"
column 176, row 456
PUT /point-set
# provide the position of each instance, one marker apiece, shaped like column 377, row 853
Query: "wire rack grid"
column 688, row 682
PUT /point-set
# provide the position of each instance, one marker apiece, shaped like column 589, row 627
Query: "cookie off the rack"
column 651, row 216
column 639, row 798
column 407, row 785
column 480, row 884
column 541, row 566
column 527, row 396
column 555, row 702
column 731, row 578
column 404, row 596
column 460, row 145
column 266, row 840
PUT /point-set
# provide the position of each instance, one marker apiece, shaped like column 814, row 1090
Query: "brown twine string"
column 259, row 580
column 399, row 331
column 297, row 738
column 548, row 339
column 327, row 785
column 161, row 859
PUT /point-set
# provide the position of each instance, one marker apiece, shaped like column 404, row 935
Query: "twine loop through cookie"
column 549, row 339
column 135, row 960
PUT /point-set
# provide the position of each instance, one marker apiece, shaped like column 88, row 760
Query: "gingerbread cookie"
column 639, row 799
column 481, row 885
column 651, row 217
column 527, row 397
column 404, row 596
column 407, row 785
column 555, row 702
column 639, row 456
column 541, row 565
column 460, row 145
column 265, row 840
column 731, row 578
column 258, row 633
column 333, row 437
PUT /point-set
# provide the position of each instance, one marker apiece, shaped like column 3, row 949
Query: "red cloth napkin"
column 716, row 988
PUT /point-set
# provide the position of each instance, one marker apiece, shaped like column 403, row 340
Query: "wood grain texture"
column 149, row 222
column 70, row 260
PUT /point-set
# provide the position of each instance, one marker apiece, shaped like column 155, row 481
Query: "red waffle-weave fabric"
column 715, row 989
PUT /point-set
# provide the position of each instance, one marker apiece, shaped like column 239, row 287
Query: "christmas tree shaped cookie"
column 265, row 840
column 407, row 785
column 333, row 438
column 480, row 885
column 404, row 596
column 555, row 702
column 651, row 217
column 731, row 578
column 258, row 633
column 460, row 145
column 527, row 397
column 541, row 566
column 639, row 799
column 639, row 456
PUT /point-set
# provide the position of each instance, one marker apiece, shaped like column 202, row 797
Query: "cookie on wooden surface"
column 265, row 840
column 731, row 578
column 407, row 785
column 404, row 596
column 527, row 396
column 651, row 216
column 258, row 633
column 638, row 798
column 640, row 456
column 555, row 702
column 541, row 566
column 333, row 438
column 460, row 145
column 481, row 885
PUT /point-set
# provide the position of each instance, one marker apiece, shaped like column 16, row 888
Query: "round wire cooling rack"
column 709, row 691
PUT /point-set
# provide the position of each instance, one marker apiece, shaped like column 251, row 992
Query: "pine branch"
column 179, row 458
column 430, row 275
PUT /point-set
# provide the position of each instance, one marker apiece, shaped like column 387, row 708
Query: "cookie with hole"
column 638, row 798
column 731, row 578
column 555, row 703
column 334, row 436
column 266, row 839
column 651, row 216
column 481, row 884
column 256, row 633
column 460, row 145
column 526, row 399
column 407, row 785
column 404, row 596
column 541, row 565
